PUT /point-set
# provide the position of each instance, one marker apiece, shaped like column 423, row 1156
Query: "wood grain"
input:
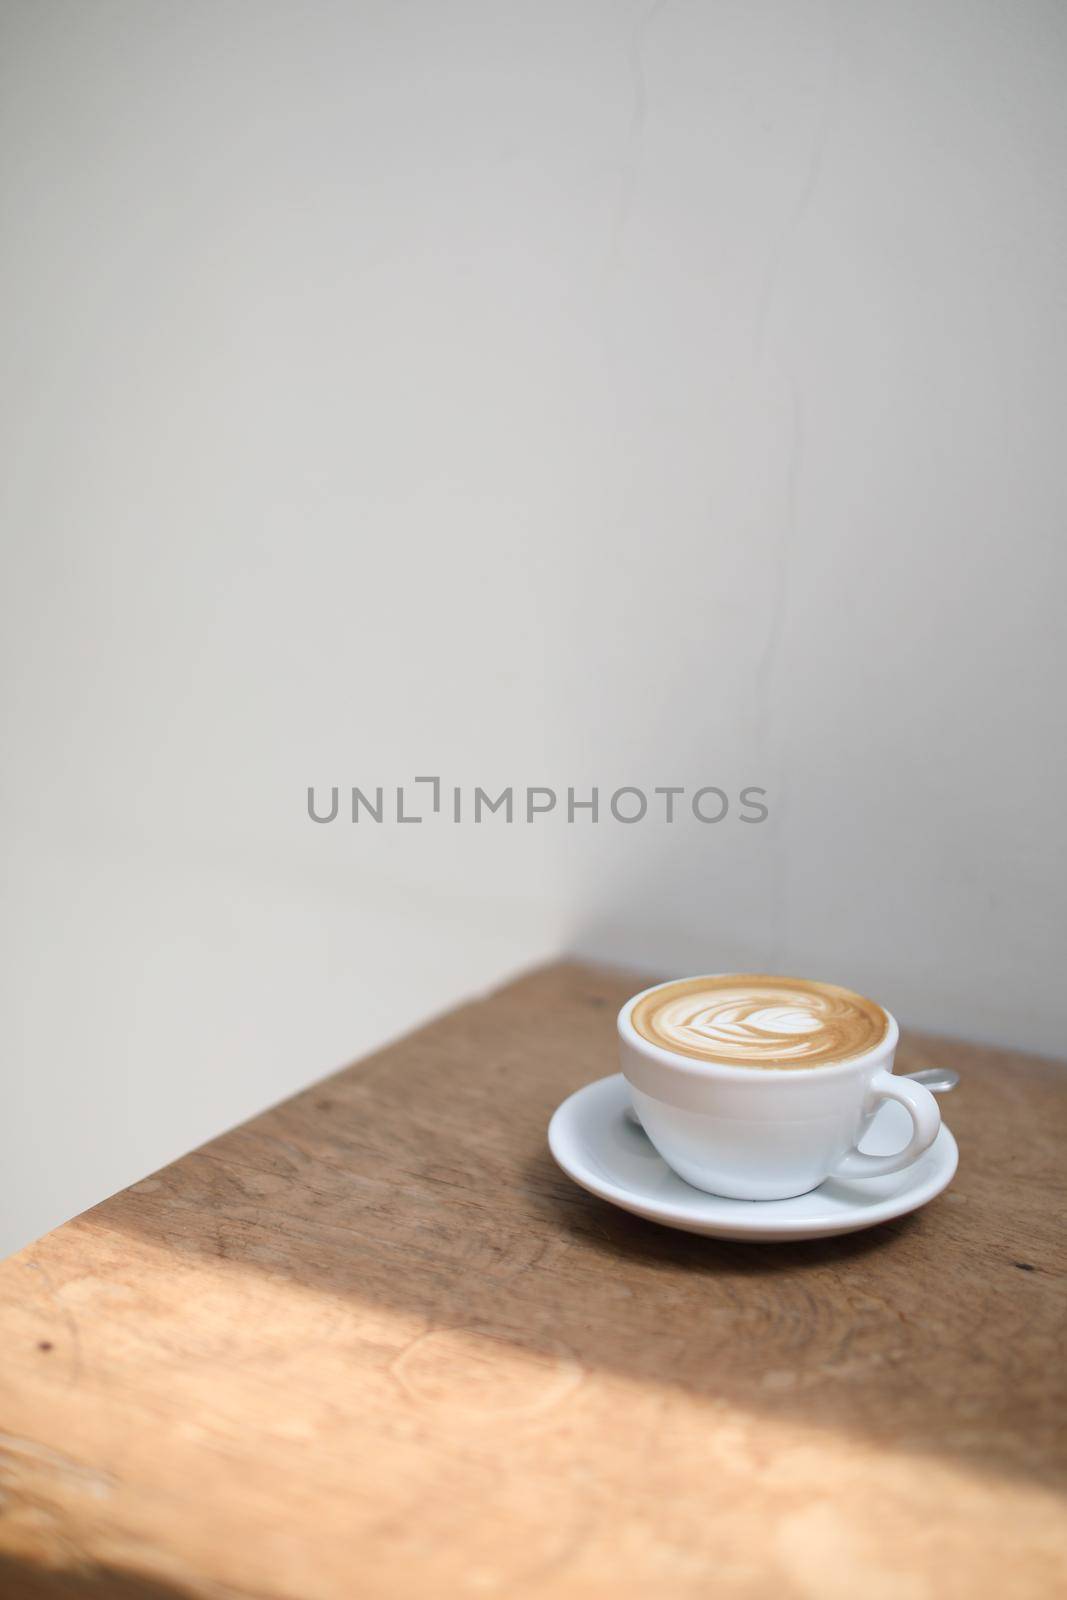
column 373, row 1343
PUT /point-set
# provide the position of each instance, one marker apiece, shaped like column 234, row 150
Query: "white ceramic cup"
column 769, row 1133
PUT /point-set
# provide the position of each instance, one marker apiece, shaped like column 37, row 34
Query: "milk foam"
column 760, row 1021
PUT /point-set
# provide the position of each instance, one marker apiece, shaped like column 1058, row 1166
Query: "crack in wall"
column 635, row 134
column 788, row 524
column 806, row 194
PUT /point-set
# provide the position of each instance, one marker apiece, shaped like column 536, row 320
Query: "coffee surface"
column 751, row 1020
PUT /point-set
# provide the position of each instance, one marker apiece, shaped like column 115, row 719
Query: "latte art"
column 757, row 1021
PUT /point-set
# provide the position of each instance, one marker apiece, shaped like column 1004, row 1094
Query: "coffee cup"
column 761, row 1088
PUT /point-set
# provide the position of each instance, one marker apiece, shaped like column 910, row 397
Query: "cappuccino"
column 751, row 1020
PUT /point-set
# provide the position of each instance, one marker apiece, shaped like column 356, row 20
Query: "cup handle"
column 925, row 1116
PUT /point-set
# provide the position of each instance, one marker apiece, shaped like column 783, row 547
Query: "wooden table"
column 374, row 1343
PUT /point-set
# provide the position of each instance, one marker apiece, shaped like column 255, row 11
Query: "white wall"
column 534, row 393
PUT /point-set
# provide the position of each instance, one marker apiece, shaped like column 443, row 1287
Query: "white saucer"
column 597, row 1145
